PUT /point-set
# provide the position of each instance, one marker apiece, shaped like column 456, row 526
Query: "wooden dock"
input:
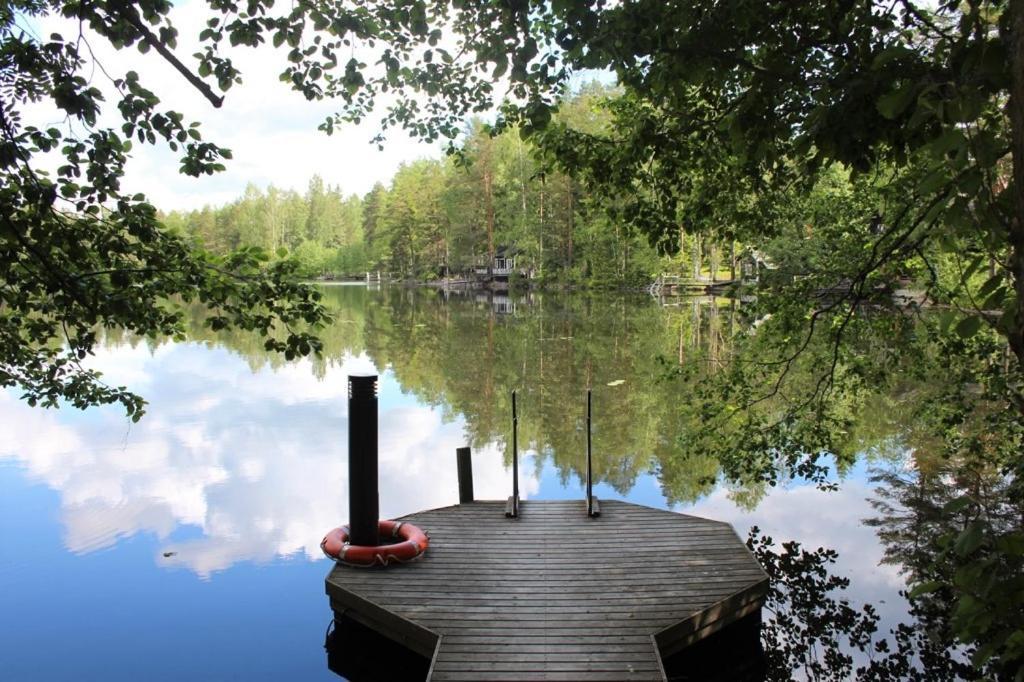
column 554, row 594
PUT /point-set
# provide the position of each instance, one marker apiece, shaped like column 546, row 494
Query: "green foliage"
column 77, row 254
column 313, row 259
column 437, row 217
column 412, row 223
column 953, row 523
column 954, row 529
column 322, row 228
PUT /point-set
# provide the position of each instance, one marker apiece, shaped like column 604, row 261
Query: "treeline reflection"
column 650, row 366
column 464, row 352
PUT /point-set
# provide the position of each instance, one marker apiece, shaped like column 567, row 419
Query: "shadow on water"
column 733, row 654
column 357, row 653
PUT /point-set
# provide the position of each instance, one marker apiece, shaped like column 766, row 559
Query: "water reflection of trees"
column 466, row 357
column 812, row 631
column 954, row 527
column 647, row 364
column 684, row 391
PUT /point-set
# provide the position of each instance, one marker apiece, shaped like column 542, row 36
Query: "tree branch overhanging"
column 129, row 14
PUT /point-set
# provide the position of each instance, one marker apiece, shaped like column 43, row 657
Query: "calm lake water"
column 186, row 546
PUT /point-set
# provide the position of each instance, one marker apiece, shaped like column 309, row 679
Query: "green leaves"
column 894, row 54
column 894, row 103
column 500, row 67
column 926, row 587
column 970, row 539
column 968, row 326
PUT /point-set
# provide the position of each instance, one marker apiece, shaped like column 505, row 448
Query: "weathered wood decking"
column 555, row 595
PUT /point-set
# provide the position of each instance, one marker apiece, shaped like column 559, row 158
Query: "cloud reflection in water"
column 817, row 518
column 230, row 465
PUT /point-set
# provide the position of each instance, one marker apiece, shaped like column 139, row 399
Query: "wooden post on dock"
column 590, row 463
column 593, row 507
column 363, row 501
column 465, row 465
column 512, row 508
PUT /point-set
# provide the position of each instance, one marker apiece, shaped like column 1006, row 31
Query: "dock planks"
column 554, row 594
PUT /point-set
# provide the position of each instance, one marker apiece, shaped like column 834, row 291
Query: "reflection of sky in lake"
column 235, row 476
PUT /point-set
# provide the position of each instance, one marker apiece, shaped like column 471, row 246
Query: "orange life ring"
column 413, row 543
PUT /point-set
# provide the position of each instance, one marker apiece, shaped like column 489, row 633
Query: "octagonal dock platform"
column 555, row 594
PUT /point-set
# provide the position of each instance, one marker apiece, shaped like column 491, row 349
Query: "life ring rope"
column 413, row 544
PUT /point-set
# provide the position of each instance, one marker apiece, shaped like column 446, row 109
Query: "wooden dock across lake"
column 555, row 594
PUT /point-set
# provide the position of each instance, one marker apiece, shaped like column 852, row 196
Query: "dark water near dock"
column 186, row 546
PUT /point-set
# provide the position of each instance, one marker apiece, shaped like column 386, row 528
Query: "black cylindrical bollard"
column 465, row 475
column 515, row 458
column 590, row 463
column 363, row 502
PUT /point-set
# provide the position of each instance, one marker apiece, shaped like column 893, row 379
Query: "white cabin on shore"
column 503, row 265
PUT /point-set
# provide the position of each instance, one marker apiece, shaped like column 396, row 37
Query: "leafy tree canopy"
column 750, row 94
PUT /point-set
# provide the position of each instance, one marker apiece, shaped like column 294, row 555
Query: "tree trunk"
column 621, row 264
column 682, row 246
column 1016, row 106
column 540, row 259
column 489, row 211
column 522, row 185
column 682, row 354
column 570, row 221
column 696, row 257
column 695, row 323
